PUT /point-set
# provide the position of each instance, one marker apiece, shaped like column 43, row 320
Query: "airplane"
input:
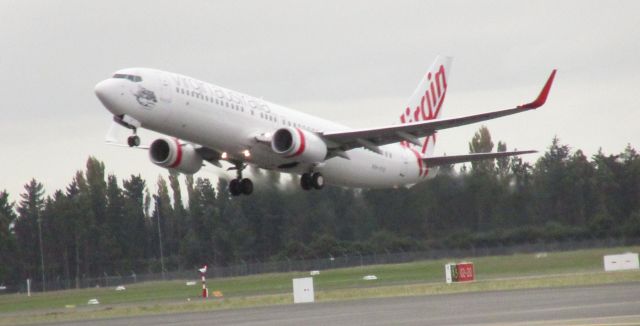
column 208, row 123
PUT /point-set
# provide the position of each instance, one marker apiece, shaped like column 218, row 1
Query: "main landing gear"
column 310, row 181
column 239, row 185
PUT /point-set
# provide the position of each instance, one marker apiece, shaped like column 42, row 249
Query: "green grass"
column 573, row 268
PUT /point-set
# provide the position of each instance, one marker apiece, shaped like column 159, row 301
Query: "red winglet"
column 543, row 94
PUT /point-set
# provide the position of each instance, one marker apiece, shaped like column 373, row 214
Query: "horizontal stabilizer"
column 447, row 160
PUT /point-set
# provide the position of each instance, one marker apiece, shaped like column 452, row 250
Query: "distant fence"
column 320, row 263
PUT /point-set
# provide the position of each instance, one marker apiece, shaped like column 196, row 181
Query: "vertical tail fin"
column 426, row 101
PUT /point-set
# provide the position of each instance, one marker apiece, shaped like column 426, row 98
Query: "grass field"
column 573, row 268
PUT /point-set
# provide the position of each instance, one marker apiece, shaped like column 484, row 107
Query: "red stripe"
column 179, row 155
column 302, row 144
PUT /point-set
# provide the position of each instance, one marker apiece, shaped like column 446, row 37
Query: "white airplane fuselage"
column 211, row 123
column 232, row 123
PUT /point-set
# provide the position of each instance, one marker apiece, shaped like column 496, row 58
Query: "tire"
column 235, row 187
column 305, row 181
column 317, row 181
column 133, row 141
column 246, row 186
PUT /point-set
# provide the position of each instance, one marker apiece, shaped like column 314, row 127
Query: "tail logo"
column 428, row 108
column 431, row 101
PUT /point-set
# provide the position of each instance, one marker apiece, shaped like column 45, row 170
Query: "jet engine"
column 298, row 144
column 169, row 153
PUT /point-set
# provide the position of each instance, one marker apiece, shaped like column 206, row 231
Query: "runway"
column 617, row 304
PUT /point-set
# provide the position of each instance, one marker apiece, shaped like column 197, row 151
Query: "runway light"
column 224, row 155
column 246, row 153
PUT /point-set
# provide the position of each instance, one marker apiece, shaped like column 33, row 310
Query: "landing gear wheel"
column 133, row 141
column 317, row 181
column 305, row 181
column 235, row 187
column 240, row 185
column 246, row 186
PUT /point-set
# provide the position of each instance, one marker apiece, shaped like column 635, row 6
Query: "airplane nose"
column 101, row 90
column 107, row 93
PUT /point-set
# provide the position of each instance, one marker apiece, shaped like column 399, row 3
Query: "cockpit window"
column 132, row 78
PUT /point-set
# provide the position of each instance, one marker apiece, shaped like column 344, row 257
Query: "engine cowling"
column 299, row 144
column 168, row 153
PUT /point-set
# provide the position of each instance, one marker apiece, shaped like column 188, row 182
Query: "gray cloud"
column 336, row 59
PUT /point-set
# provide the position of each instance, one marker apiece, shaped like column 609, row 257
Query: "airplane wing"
column 374, row 137
column 447, row 160
column 210, row 155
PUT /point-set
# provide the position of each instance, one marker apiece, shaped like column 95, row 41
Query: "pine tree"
column 7, row 239
column 114, row 245
column 28, row 230
column 481, row 143
column 179, row 213
column 482, row 184
column 134, row 231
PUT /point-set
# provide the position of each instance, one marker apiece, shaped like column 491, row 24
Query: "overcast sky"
column 355, row 62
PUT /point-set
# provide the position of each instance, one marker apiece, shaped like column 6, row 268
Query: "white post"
column 28, row 287
column 205, row 293
column 203, row 272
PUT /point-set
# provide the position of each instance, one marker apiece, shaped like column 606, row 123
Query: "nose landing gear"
column 133, row 141
column 310, row 181
column 129, row 123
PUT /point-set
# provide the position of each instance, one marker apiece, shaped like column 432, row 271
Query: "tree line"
column 100, row 225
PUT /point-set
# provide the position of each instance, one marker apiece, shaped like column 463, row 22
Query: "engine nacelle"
column 299, row 144
column 168, row 153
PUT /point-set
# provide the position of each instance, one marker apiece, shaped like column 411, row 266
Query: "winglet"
column 543, row 94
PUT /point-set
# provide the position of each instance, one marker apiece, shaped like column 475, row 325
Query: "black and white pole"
column 205, row 291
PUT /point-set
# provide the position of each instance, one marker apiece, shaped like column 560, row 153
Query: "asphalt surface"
column 617, row 304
